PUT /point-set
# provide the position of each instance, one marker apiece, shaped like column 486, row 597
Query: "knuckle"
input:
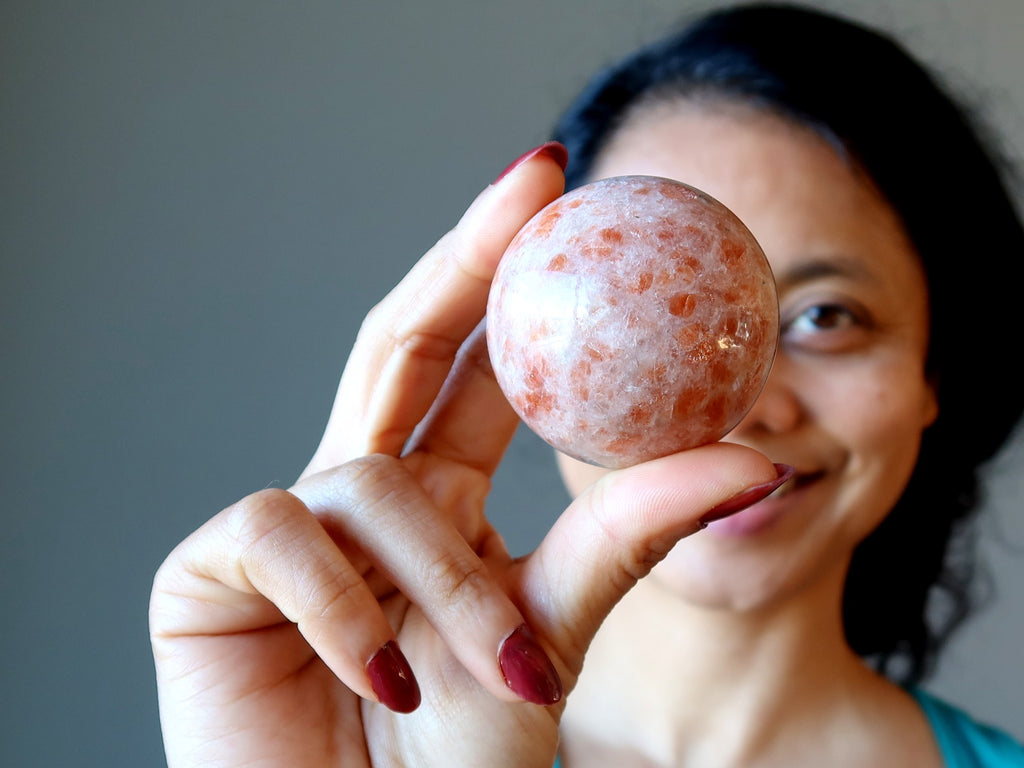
column 395, row 325
column 264, row 525
column 261, row 514
column 376, row 485
column 373, row 467
column 282, row 552
column 603, row 515
column 456, row 579
column 374, row 321
column 433, row 347
column 634, row 558
column 372, row 477
column 462, row 253
column 333, row 597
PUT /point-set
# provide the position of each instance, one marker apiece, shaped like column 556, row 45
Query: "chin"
column 701, row 579
column 737, row 576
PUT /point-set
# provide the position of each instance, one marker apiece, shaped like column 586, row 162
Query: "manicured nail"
column 392, row 679
column 527, row 670
column 748, row 497
column 551, row 149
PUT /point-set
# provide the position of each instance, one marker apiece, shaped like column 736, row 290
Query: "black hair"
column 910, row 582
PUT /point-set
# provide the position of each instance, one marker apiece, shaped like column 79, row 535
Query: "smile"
column 799, row 480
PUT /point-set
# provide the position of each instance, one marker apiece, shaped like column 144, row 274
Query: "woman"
column 296, row 626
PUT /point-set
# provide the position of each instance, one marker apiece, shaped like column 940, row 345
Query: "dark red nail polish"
column 551, row 149
column 748, row 497
column 392, row 679
column 527, row 670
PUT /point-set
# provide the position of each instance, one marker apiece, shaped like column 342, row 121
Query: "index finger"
column 407, row 343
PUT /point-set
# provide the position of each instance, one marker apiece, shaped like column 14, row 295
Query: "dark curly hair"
column 911, row 582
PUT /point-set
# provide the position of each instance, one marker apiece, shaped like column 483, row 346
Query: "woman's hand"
column 370, row 615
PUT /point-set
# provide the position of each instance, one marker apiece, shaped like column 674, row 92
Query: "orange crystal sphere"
column 632, row 318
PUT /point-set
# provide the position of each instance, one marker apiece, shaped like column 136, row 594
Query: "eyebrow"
column 816, row 268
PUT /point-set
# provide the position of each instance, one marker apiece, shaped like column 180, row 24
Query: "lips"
column 799, row 479
column 763, row 515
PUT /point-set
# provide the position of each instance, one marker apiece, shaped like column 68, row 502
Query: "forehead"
column 792, row 188
column 732, row 151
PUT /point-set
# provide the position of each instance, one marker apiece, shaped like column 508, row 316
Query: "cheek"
column 879, row 418
column 881, row 405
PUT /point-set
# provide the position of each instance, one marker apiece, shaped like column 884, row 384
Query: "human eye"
column 825, row 326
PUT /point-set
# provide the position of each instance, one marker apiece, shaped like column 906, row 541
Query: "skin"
column 756, row 601
column 263, row 620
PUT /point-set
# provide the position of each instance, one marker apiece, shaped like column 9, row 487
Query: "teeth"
column 786, row 487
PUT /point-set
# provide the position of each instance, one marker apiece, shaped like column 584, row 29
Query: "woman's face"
column 847, row 399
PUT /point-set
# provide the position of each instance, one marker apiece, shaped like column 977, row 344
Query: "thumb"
column 617, row 530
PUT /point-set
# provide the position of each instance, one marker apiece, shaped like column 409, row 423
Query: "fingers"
column 278, row 561
column 376, row 502
column 470, row 420
column 616, row 531
column 407, row 344
column 266, row 561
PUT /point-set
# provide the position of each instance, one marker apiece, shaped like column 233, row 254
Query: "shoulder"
column 966, row 743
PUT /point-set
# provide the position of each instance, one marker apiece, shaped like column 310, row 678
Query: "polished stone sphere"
column 632, row 318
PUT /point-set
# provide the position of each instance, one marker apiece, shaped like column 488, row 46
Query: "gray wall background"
column 198, row 203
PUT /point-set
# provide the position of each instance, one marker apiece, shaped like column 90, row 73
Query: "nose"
column 777, row 409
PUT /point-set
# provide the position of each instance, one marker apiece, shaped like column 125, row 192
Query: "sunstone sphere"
column 632, row 318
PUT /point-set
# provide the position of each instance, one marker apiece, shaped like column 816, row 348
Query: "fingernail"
column 551, row 149
column 748, row 497
column 527, row 670
column 392, row 679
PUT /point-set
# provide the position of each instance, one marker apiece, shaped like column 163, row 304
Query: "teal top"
column 963, row 742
